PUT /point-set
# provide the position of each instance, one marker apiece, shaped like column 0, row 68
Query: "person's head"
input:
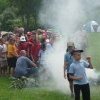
column 77, row 54
column 23, row 53
column 29, row 34
column 34, row 35
column 12, row 40
column 70, row 46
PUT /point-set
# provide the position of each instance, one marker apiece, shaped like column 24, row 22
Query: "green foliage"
column 18, row 83
column 19, row 13
column 28, row 11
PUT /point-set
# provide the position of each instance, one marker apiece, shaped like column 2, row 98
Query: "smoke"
column 67, row 18
column 63, row 15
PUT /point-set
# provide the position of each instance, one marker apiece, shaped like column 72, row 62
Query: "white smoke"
column 65, row 16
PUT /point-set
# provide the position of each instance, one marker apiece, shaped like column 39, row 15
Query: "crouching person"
column 78, row 75
column 24, row 66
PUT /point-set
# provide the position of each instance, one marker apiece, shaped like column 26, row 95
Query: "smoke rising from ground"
column 67, row 17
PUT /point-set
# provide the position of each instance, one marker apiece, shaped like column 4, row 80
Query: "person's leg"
column 9, row 65
column 77, row 92
column 71, row 85
column 71, row 88
column 9, row 70
column 14, row 59
column 86, row 92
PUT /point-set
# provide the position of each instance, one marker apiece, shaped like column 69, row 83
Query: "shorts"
column 12, row 62
column 3, row 64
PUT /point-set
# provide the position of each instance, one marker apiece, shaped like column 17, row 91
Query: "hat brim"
column 74, row 51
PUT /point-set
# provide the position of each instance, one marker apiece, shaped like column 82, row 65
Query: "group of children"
column 76, row 73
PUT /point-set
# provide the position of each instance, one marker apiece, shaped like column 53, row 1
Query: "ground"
column 44, row 94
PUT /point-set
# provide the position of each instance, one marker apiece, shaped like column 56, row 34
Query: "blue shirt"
column 77, row 68
column 22, row 66
column 69, row 59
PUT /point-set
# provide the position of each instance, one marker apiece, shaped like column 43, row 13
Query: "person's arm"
column 31, row 63
column 32, row 58
column 34, row 65
column 75, row 77
column 89, row 61
column 65, row 66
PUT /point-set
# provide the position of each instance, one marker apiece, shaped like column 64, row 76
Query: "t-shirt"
column 4, row 48
column 23, row 46
column 77, row 68
column 69, row 59
column 12, row 50
column 4, row 52
column 22, row 65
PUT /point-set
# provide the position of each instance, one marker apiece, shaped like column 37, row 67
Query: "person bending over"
column 24, row 66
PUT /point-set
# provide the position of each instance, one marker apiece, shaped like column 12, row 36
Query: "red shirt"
column 35, row 51
column 23, row 46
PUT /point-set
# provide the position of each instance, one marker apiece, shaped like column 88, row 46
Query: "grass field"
column 44, row 94
column 94, row 49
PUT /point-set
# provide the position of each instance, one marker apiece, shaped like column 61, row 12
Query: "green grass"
column 44, row 94
column 94, row 49
column 27, row 94
column 37, row 93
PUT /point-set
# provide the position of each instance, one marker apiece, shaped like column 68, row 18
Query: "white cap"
column 47, row 40
column 22, row 39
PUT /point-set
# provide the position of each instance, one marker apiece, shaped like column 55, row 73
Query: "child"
column 78, row 75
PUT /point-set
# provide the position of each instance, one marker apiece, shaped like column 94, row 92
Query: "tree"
column 27, row 10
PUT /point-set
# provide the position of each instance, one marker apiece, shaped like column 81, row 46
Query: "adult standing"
column 68, row 59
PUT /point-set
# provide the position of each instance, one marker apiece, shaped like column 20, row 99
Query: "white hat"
column 70, row 44
column 47, row 40
column 22, row 39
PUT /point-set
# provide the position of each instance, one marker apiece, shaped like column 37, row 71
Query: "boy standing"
column 78, row 75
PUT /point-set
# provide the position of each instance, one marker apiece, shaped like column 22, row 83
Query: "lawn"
column 28, row 94
column 94, row 49
column 44, row 94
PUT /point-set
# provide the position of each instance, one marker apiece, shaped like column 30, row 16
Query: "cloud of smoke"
column 65, row 16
